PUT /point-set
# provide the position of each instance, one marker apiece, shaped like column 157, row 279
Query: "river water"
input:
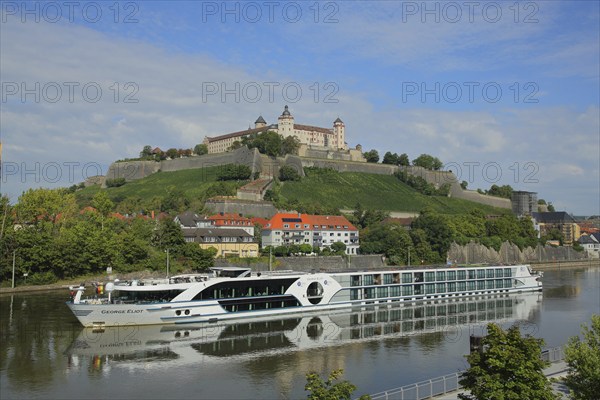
column 45, row 353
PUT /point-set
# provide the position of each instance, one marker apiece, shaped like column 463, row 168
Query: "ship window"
column 429, row 276
column 499, row 273
column 354, row 294
column 471, row 285
column 480, row 273
column 368, row 279
column 440, row 288
column 489, row 273
column 382, row 292
column 451, row 286
column 394, row 291
column 388, row 279
column 441, row 275
column 489, row 284
column 507, row 283
column 406, row 277
column 480, row 285
column 355, row 280
column 418, row 289
column 462, row 286
column 499, row 284
column 507, row 272
column 369, row 293
column 472, row 273
column 461, row 275
column 314, row 292
column 452, row 275
column 407, row 290
column 429, row 288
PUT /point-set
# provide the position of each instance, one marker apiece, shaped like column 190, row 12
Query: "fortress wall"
column 474, row 196
column 350, row 166
column 263, row 209
column 132, row 170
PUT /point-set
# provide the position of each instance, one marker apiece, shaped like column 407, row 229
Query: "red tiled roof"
column 259, row 221
column 230, row 219
column 314, row 222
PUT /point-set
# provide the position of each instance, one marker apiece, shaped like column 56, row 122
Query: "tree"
column 501, row 191
column 438, row 231
column 338, row 248
column 507, row 367
column 464, row 185
column 146, row 151
column 290, row 145
column 201, row 149
column 583, row 360
column 232, row 172
column 551, row 207
column 235, row 145
column 288, row 173
column 428, row 162
column 103, row 204
column 403, row 160
column 389, row 158
column 328, row 390
column 171, row 153
column 371, row 156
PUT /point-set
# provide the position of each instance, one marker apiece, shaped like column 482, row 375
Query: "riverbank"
column 64, row 285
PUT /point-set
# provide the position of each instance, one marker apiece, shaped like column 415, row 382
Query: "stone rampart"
column 475, row 253
column 262, row 209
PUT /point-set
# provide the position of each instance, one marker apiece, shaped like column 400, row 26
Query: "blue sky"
column 511, row 89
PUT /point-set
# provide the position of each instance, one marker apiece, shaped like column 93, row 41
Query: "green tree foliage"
column 421, row 185
column 338, row 248
column 583, row 359
column 288, row 173
column 428, row 162
column 103, row 205
column 403, row 160
column 389, row 158
column 115, row 182
column 235, row 145
column 500, row 191
column 464, row 185
column 234, row 172
column 509, row 367
column 362, row 218
column 272, row 144
column 551, row 207
column 171, row 153
column 371, row 156
column 201, row 149
column 390, row 239
column 329, row 389
column 146, row 151
column 438, row 229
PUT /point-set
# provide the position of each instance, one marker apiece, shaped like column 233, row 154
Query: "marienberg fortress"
column 319, row 147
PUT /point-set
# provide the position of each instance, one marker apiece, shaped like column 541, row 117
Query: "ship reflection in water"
column 147, row 345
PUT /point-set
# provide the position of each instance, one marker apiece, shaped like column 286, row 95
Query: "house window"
column 286, row 225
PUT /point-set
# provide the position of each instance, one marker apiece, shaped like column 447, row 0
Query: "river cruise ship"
column 236, row 293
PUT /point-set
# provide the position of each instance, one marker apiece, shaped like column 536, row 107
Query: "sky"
column 504, row 93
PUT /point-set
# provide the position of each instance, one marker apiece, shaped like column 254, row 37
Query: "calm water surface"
column 45, row 353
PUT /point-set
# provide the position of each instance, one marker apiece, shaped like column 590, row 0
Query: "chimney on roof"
column 221, row 213
column 299, row 215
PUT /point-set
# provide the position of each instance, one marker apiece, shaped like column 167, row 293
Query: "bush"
column 43, row 278
column 288, row 173
column 230, row 172
column 115, row 182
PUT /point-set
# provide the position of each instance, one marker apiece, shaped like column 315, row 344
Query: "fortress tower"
column 260, row 122
column 285, row 123
column 339, row 134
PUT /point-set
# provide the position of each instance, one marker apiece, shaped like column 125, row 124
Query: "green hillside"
column 328, row 188
column 385, row 192
column 192, row 182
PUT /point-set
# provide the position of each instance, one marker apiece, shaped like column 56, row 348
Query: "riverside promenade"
column 447, row 387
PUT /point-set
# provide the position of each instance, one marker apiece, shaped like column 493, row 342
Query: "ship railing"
column 447, row 383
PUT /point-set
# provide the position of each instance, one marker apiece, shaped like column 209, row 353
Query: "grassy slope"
column 340, row 190
column 193, row 182
column 385, row 192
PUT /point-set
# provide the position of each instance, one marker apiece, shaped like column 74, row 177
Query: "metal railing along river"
column 447, row 383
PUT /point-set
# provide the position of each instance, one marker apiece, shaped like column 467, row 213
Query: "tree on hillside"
column 464, row 185
column 583, row 359
column 390, row 239
column 201, row 149
column 389, row 158
column 290, row 145
column 371, row 156
column 146, row 151
column 288, row 173
column 103, row 204
column 171, row 153
column 235, row 145
column 403, row 160
column 428, row 162
column 551, row 207
column 501, row 191
column 438, row 229
column 508, row 367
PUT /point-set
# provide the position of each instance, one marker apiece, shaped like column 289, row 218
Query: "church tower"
column 260, row 122
column 339, row 134
column 285, row 123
